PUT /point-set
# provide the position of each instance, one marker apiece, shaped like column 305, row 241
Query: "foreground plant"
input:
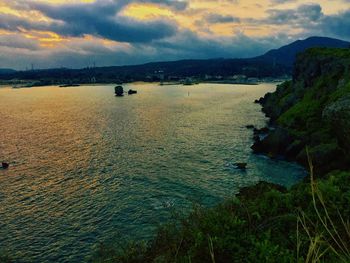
column 327, row 233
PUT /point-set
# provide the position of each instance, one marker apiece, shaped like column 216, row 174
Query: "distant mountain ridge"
column 6, row 70
column 274, row 63
column 286, row 55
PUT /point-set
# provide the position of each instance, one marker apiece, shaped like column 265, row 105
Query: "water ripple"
column 87, row 167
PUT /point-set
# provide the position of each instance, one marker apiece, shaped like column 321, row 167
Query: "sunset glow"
column 157, row 30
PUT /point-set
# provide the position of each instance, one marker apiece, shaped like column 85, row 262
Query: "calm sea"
column 88, row 167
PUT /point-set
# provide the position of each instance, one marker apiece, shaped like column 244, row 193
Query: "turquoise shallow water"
column 88, row 167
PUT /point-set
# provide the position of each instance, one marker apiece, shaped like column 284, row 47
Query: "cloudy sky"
column 78, row 33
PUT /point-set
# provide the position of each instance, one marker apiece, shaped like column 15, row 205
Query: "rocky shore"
column 312, row 110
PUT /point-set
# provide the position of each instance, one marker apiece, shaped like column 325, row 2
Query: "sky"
column 82, row 33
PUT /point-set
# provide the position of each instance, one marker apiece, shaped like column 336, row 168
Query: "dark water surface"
column 88, row 167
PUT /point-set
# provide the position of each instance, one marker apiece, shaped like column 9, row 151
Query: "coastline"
column 30, row 84
column 300, row 117
column 266, row 222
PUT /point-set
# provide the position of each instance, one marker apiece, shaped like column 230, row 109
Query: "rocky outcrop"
column 312, row 110
column 274, row 144
column 119, row 91
column 4, row 165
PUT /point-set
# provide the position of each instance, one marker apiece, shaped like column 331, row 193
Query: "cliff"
column 312, row 110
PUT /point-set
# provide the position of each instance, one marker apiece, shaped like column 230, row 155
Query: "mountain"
column 274, row 63
column 286, row 55
column 6, row 71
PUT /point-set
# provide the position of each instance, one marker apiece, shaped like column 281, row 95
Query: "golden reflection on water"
column 86, row 166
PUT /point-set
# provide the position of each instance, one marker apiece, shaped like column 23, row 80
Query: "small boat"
column 69, row 85
column 130, row 92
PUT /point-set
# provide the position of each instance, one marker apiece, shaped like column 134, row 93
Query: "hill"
column 274, row 63
column 4, row 71
column 313, row 111
column 286, row 55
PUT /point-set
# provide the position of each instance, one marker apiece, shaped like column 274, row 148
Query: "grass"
column 327, row 237
column 4, row 257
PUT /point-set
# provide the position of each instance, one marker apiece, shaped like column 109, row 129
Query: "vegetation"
column 4, row 257
column 267, row 223
column 313, row 110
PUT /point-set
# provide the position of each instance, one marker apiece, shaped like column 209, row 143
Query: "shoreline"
column 24, row 86
column 266, row 222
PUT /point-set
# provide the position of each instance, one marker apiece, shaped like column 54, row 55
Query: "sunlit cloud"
column 114, row 32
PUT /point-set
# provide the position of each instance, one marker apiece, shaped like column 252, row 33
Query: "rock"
column 5, row 165
column 261, row 131
column 241, row 166
column 275, row 143
column 260, row 101
column 130, row 92
column 119, row 91
column 256, row 138
column 258, row 146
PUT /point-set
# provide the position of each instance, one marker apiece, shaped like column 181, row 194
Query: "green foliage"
column 301, row 114
column 131, row 252
column 5, row 258
column 329, row 52
column 342, row 91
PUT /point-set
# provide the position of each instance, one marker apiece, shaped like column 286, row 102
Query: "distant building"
column 253, row 80
column 239, row 78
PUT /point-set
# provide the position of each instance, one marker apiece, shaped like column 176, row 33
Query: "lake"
column 88, row 167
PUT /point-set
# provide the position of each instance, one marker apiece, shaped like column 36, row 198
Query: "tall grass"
column 324, row 234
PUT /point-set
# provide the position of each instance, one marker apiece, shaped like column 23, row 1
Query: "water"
column 88, row 167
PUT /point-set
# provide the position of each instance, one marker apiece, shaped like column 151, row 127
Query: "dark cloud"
column 177, row 5
column 189, row 45
column 153, row 40
column 311, row 20
column 337, row 25
column 15, row 23
column 312, row 12
column 300, row 16
column 16, row 41
column 217, row 18
column 114, row 4
column 185, row 45
column 101, row 19
column 282, row 1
